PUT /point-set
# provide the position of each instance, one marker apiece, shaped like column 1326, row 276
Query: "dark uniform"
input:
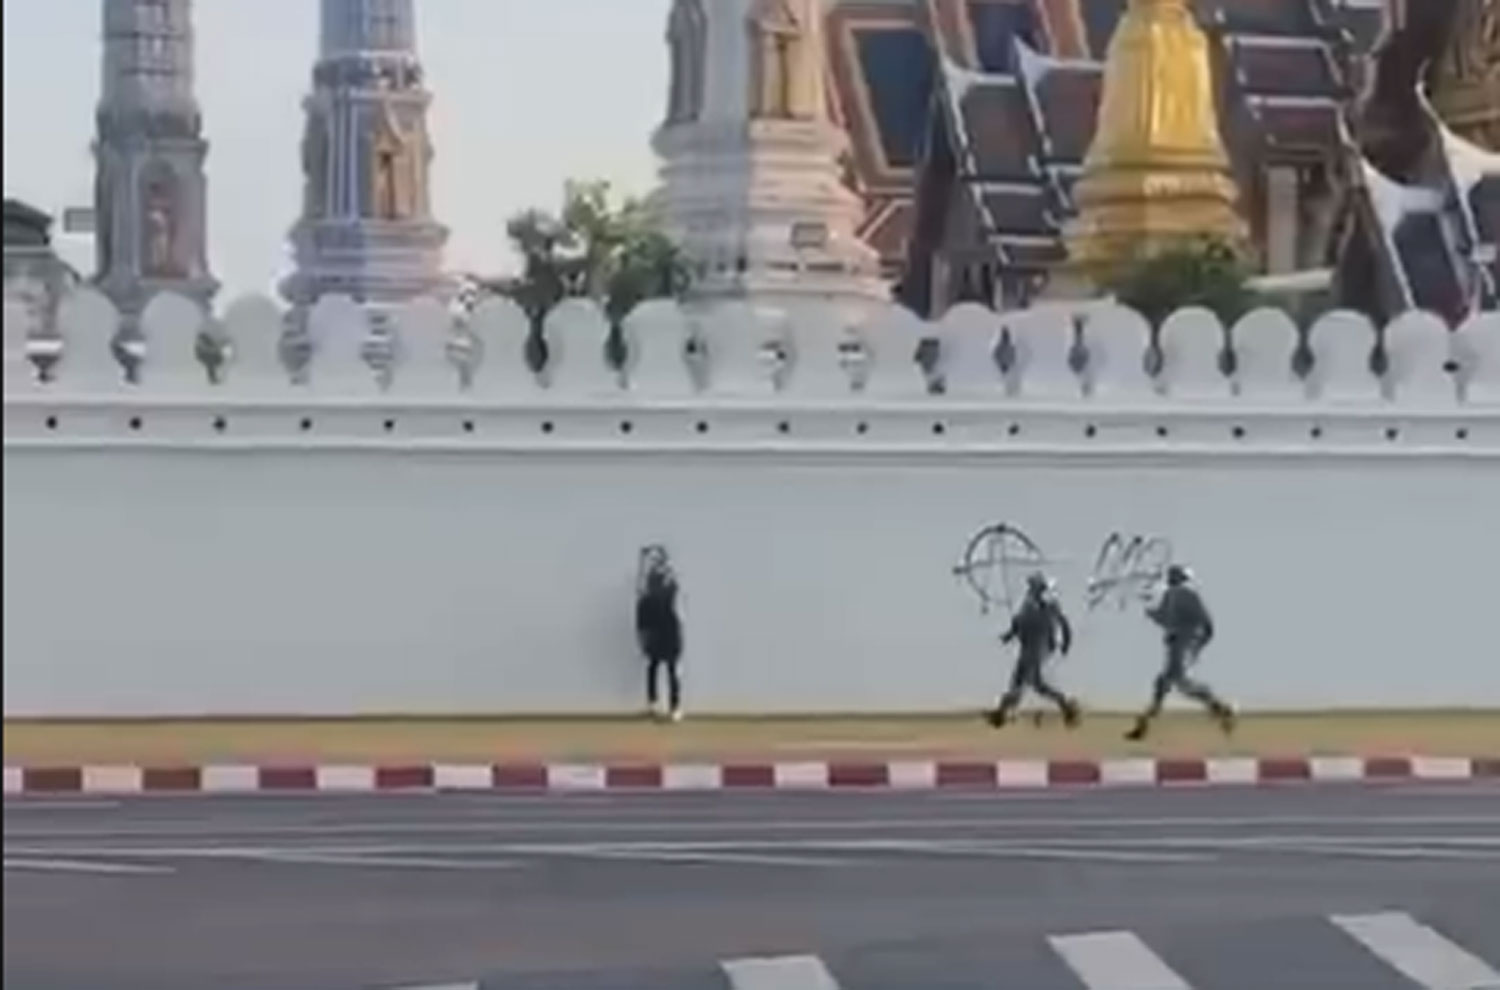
column 1187, row 627
column 1041, row 629
column 659, row 632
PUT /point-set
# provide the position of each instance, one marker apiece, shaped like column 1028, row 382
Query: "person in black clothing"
column 1187, row 628
column 658, row 628
column 1041, row 628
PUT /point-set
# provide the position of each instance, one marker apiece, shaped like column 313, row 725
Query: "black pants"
column 1029, row 673
column 1181, row 655
column 674, row 682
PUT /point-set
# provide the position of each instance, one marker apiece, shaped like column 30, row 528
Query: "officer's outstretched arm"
column 1065, row 631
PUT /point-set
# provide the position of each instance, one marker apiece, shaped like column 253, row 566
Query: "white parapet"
column 441, row 513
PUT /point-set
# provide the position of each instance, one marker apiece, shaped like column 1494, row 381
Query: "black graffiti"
column 1128, row 569
column 996, row 562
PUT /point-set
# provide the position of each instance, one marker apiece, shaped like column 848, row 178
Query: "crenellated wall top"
column 479, row 374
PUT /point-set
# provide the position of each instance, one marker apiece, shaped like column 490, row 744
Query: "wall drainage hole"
column 783, row 427
column 305, row 425
column 701, row 426
column 1392, row 434
column 220, row 424
column 1316, row 432
column 938, row 429
column 51, row 422
column 1238, row 432
column 1091, row 431
column 1162, row 432
column 627, row 427
column 1015, row 429
column 389, row 425
column 547, row 426
column 468, row 426
column 1462, row 433
column 135, row 422
column 861, row 428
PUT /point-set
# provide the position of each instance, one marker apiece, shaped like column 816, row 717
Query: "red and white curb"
column 896, row 775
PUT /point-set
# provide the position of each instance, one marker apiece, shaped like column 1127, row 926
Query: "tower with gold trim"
column 1465, row 83
column 753, row 186
column 366, row 228
column 1157, row 174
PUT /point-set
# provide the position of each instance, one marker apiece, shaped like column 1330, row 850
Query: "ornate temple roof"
column 1013, row 85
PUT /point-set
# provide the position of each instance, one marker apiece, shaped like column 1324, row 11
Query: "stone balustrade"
column 1096, row 355
column 432, row 513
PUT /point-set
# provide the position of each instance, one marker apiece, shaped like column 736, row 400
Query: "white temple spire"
column 150, row 190
column 366, row 228
column 752, row 183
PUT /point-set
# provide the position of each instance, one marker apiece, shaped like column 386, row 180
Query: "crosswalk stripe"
column 779, row 973
column 1115, row 961
column 1419, row 952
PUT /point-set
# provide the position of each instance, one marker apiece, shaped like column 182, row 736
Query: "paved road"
column 1113, row 890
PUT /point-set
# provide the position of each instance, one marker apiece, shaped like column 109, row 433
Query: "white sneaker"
column 677, row 715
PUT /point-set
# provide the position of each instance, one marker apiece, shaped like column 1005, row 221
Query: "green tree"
column 596, row 249
column 1206, row 273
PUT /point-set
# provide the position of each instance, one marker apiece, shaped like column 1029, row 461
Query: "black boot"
column 1139, row 732
column 998, row 717
column 1072, row 715
column 1226, row 719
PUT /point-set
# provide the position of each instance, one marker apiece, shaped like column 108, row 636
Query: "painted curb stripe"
column 908, row 775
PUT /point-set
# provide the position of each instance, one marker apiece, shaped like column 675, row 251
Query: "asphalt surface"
column 1238, row 889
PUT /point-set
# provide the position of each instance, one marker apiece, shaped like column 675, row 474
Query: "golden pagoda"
column 1464, row 85
column 1157, row 174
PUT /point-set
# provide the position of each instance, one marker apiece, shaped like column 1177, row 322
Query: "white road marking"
column 1020, row 850
column 779, row 973
column 1419, row 952
column 292, row 858
column 82, row 804
column 81, row 866
column 226, row 778
column 1021, row 773
column 576, row 777
column 1137, row 848
column 462, row 777
column 348, row 779
column 761, row 824
column 445, row 986
column 1127, row 772
column 1442, row 767
column 112, row 780
column 913, row 775
column 1325, row 848
column 812, row 776
column 1232, row 770
column 691, row 777
column 1115, row 961
column 670, row 854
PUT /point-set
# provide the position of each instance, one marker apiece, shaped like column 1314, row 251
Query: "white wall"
column 173, row 568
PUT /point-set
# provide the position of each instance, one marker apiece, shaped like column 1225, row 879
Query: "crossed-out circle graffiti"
column 996, row 563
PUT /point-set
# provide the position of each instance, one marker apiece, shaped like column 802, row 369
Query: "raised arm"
column 1064, row 629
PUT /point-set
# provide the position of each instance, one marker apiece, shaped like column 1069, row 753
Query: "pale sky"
column 527, row 93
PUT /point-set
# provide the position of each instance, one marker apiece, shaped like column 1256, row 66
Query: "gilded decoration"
column 1465, row 82
column 1157, row 173
column 783, row 65
column 159, row 226
column 400, row 161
